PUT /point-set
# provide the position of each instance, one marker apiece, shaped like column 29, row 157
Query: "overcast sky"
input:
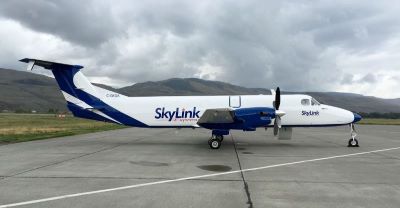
column 349, row 46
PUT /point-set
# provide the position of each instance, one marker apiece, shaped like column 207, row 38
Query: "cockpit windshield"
column 314, row 102
column 305, row 102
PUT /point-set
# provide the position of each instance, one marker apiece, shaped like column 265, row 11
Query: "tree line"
column 380, row 115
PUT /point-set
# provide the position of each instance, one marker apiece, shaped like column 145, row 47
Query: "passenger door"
column 235, row 101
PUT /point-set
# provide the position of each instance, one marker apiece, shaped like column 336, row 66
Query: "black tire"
column 215, row 143
column 220, row 137
column 353, row 143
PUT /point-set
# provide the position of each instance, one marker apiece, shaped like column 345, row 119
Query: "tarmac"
column 176, row 168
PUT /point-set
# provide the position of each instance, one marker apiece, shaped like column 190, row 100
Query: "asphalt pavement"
column 176, row 168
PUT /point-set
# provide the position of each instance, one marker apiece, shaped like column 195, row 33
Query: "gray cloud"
column 369, row 78
column 347, row 79
column 88, row 23
column 298, row 45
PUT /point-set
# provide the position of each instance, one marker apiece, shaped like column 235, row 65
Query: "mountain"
column 395, row 101
column 193, row 86
column 357, row 102
column 188, row 86
column 21, row 90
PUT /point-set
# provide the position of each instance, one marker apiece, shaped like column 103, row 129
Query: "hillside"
column 356, row 102
column 189, row 86
column 21, row 90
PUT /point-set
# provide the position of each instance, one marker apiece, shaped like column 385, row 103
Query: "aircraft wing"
column 217, row 116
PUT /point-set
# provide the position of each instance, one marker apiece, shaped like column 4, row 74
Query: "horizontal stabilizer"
column 48, row 64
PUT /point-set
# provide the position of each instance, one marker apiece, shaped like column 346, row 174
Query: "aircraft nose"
column 357, row 118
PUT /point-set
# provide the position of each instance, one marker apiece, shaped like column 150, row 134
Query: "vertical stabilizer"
column 83, row 99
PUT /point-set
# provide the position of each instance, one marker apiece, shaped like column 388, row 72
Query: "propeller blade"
column 277, row 102
column 276, row 127
column 278, row 113
column 278, row 122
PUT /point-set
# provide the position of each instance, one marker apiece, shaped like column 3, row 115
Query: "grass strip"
column 28, row 127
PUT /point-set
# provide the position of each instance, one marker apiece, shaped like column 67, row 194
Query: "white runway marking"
column 188, row 178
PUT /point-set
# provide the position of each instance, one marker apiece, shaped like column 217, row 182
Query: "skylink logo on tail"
column 161, row 113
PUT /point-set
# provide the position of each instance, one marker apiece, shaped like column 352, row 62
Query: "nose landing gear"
column 353, row 142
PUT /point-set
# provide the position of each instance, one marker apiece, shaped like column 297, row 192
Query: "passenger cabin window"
column 314, row 102
column 305, row 102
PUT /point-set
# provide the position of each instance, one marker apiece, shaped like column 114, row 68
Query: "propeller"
column 278, row 113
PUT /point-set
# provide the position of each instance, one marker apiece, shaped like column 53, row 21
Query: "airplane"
column 220, row 114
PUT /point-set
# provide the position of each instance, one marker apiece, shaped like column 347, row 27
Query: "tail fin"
column 75, row 87
column 84, row 99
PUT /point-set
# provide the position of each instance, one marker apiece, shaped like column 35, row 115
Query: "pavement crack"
column 59, row 162
column 246, row 186
column 119, row 178
column 80, row 156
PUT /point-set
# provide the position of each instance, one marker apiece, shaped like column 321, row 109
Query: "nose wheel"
column 215, row 141
column 353, row 142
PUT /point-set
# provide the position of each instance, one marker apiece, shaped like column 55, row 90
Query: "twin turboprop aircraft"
column 220, row 114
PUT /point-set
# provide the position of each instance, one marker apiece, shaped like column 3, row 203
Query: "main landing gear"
column 217, row 136
column 353, row 142
column 215, row 141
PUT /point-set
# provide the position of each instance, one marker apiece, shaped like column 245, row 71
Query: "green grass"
column 379, row 121
column 28, row 127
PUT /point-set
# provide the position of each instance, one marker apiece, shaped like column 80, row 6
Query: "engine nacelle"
column 251, row 118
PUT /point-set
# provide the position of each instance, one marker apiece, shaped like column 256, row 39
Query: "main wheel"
column 353, row 142
column 220, row 137
column 215, row 143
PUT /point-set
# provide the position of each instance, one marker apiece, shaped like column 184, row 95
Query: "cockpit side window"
column 305, row 101
column 314, row 102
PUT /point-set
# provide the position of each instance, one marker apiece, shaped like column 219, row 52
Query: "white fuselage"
column 184, row 111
